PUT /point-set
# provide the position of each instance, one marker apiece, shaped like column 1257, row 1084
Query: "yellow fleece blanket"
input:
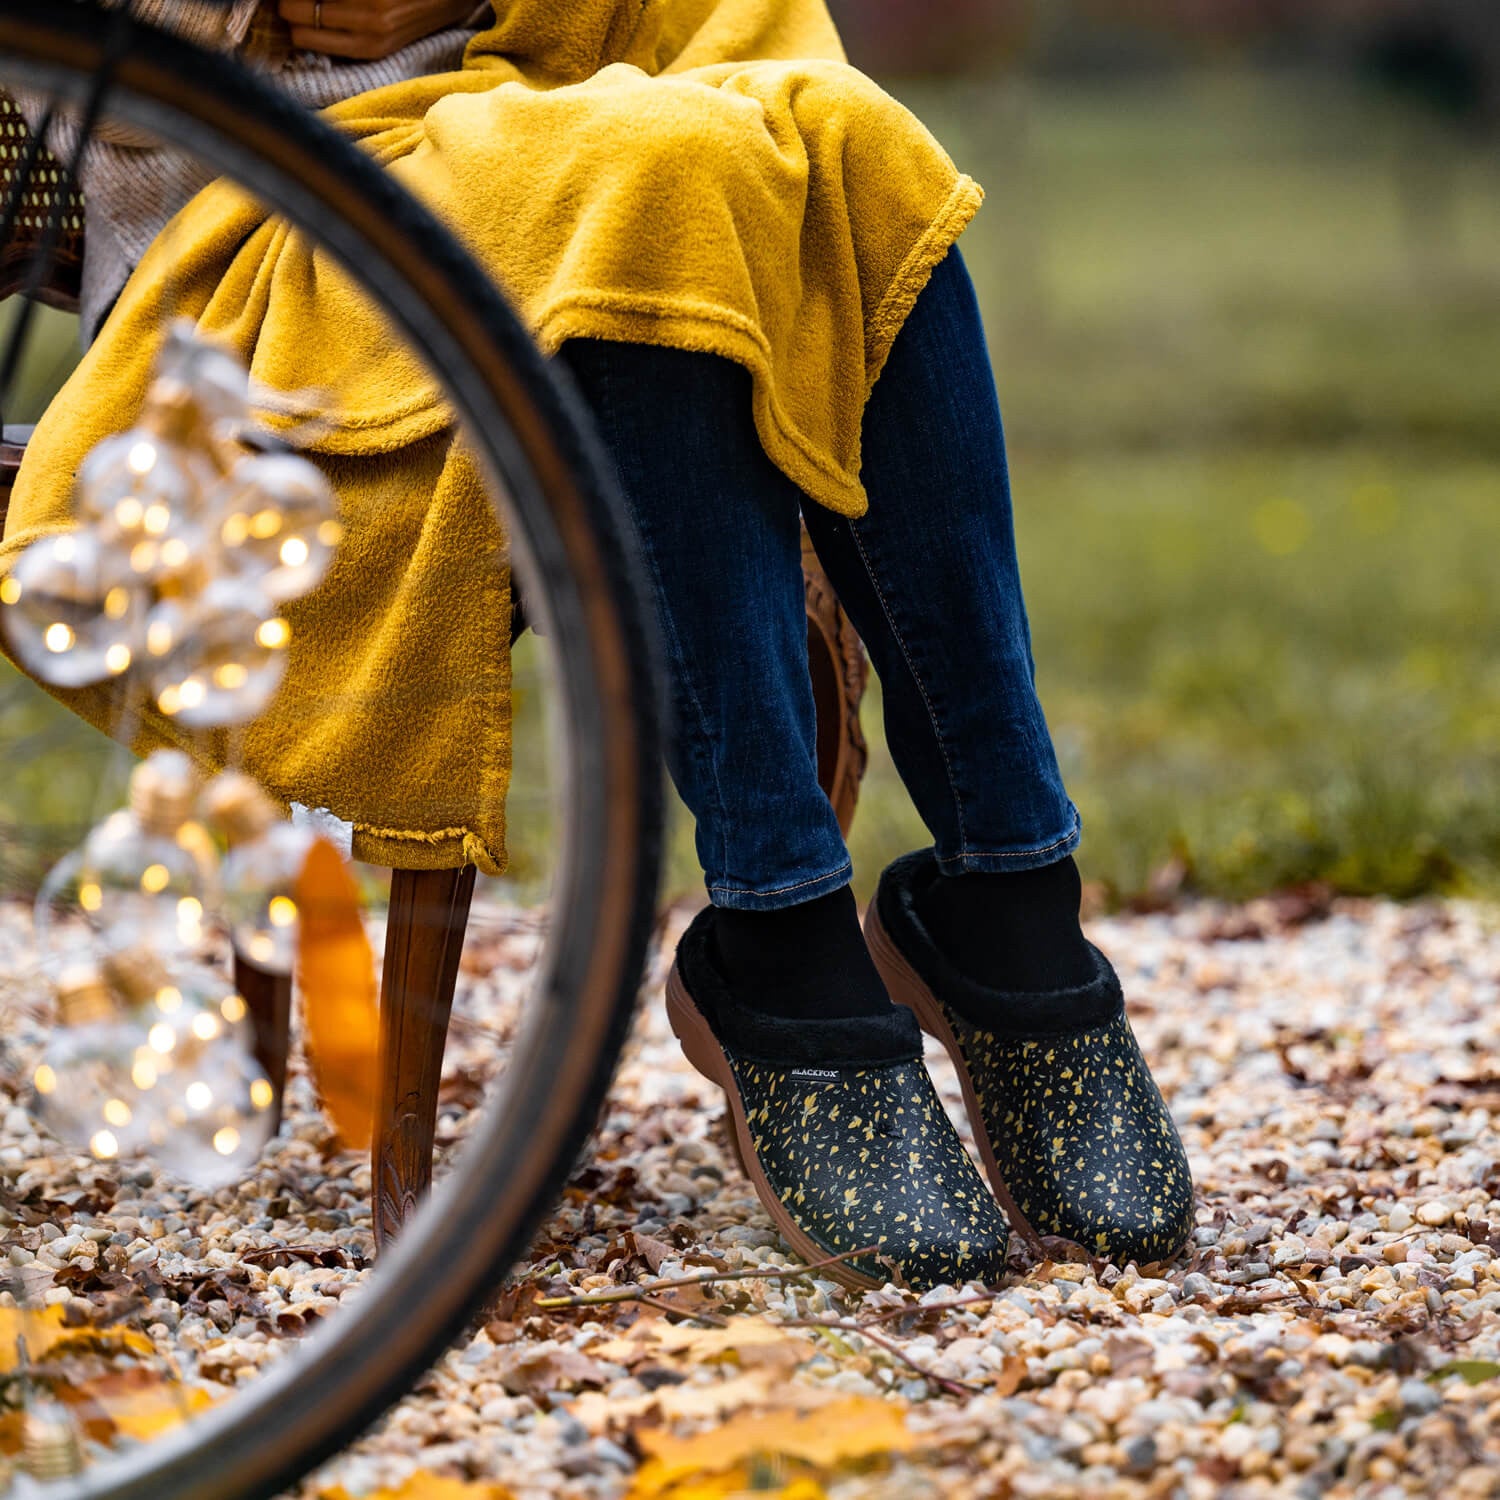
column 705, row 174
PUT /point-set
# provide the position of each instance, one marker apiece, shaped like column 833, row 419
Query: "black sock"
column 1016, row 932
column 802, row 962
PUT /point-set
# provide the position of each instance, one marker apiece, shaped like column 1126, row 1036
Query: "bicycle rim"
column 529, row 431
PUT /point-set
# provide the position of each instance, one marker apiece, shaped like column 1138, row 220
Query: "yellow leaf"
column 748, row 1341
column 422, row 1486
column 858, row 1427
column 337, row 972
column 46, row 1331
column 139, row 1403
column 742, row 1481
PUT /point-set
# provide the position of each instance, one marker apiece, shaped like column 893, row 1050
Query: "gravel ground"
column 1333, row 1330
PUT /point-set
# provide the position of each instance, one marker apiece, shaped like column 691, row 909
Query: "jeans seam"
column 781, row 890
column 911, row 666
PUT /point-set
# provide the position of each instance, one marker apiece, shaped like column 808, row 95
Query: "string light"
column 190, row 541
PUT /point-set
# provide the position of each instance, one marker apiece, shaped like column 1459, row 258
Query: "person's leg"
column 980, row 935
column 720, row 538
column 774, row 993
column 929, row 577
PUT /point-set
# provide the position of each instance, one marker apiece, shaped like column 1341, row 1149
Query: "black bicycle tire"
column 308, row 1407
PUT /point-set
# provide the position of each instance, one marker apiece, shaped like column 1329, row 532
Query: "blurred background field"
column 1243, row 299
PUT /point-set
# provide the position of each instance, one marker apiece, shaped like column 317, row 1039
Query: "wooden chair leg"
column 840, row 674
column 424, row 936
column 269, row 999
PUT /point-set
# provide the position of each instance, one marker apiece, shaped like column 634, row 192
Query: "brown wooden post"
column 424, row 937
column 269, row 999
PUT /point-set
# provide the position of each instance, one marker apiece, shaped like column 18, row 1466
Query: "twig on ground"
column 848, row 1325
column 708, row 1278
column 702, row 1315
column 910, row 1309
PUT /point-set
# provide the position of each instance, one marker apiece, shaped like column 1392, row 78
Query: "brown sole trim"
column 907, row 988
column 701, row 1048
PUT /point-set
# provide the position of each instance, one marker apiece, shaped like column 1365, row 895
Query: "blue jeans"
column 928, row 576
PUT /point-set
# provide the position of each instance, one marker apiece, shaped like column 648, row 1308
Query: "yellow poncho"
column 705, row 174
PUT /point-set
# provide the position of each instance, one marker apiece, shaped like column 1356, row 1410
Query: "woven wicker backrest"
column 39, row 201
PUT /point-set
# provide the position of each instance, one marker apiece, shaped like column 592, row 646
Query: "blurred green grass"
column 1244, row 331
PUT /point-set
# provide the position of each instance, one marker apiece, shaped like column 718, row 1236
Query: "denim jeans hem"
column 998, row 861
column 737, row 898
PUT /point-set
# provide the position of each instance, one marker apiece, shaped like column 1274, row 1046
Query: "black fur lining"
column 828, row 1042
column 1041, row 1013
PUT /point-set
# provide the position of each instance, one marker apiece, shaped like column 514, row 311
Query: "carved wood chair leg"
column 424, row 937
column 840, row 673
column 269, row 999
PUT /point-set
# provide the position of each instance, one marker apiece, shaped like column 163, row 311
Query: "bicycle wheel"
column 565, row 527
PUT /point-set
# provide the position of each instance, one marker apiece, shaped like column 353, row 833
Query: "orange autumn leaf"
column 422, row 1486
column 46, row 1332
column 138, row 1403
column 336, row 969
column 859, row 1427
column 742, row 1481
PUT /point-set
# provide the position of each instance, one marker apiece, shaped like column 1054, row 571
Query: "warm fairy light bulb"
column 258, row 882
column 278, row 523
column 136, row 881
column 72, row 611
column 51, row 1449
column 225, row 1117
column 159, row 1060
column 143, row 494
column 259, row 895
column 83, row 1090
column 204, row 1106
column 214, row 663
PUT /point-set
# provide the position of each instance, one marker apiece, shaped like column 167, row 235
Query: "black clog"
column 842, row 1154
column 1074, row 1134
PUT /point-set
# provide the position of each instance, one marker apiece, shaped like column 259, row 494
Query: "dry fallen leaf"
column 336, row 970
column 423, row 1486
column 747, row 1341
column 138, row 1403
column 840, row 1432
column 46, row 1332
column 540, row 1372
column 1009, row 1376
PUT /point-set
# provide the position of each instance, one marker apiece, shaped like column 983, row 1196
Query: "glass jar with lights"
column 204, row 1106
column 278, row 523
column 190, row 540
column 145, row 875
column 258, row 878
column 74, row 613
column 86, row 1095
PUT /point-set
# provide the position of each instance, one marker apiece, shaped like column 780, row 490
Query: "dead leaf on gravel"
column 853, row 1430
column 423, row 1486
column 1129, row 1357
column 136, row 1403
column 751, row 1391
column 544, row 1371
column 1009, row 1376
column 750, row 1342
column 47, row 1331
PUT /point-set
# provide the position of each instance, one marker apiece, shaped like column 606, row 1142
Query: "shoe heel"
column 902, row 982
column 693, row 1033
